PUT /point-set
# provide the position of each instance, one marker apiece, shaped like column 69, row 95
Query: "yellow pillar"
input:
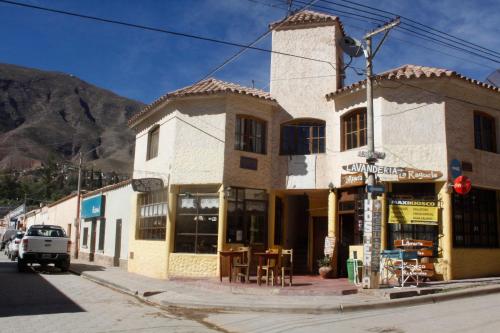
column 333, row 226
column 271, row 218
column 170, row 232
column 446, row 242
column 221, row 237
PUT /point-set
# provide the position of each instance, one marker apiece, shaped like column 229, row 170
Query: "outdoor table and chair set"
column 271, row 264
column 409, row 262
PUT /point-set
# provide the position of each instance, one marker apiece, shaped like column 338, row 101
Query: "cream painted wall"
column 460, row 132
column 409, row 127
column 300, row 87
column 191, row 143
column 63, row 214
column 233, row 174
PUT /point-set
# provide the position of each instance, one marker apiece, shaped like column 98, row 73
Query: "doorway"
column 320, row 231
column 118, row 243
column 346, row 232
column 297, row 231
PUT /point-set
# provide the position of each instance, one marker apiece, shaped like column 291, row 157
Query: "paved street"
column 476, row 314
column 62, row 302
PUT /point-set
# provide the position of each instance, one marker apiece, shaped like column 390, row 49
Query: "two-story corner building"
column 428, row 119
column 242, row 166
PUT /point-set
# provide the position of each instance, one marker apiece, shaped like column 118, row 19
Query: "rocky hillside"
column 55, row 115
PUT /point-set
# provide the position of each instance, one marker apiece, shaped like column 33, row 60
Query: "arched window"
column 303, row 137
column 354, row 129
column 250, row 134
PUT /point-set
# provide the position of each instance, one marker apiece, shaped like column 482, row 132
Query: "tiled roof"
column 209, row 86
column 107, row 188
column 307, row 17
column 414, row 72
column 62, row 199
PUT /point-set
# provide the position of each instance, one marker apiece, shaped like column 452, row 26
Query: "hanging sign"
column 462, row 185
column 372, row 168
column 416, row 174
column 353, row 179
column 329, row 246
column 455, row 168
column 147, row 184
column 413, row 212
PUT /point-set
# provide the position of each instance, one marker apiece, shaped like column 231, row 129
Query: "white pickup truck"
column 44, row 244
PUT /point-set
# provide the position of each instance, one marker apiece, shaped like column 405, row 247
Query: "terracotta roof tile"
column 306, row 17
column 209, row 86
column 413, row 72
column 107, row 188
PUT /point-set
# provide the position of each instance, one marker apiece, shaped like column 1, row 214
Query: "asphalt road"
column 61, row 302
column 476, row 314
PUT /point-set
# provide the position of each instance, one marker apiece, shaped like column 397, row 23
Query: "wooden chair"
column 241, row 267
column 286, row 264
column 271, row 265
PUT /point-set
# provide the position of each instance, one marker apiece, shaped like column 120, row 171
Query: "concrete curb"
column 313, row 309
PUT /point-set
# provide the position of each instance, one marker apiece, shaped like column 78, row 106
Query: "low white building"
column 104, row 226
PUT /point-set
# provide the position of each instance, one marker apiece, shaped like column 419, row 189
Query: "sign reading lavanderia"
column 413, row 211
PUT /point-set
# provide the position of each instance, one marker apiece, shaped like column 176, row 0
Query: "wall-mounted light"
column 227, row 192
column 331, row 187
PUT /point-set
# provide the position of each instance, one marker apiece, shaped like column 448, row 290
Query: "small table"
column 267, row 256
column 231, row 255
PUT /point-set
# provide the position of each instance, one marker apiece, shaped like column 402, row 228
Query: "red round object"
column 462, row 185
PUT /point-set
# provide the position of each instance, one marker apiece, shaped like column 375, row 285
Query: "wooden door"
column 118, row 242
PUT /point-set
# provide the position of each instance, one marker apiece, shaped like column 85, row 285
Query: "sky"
column 144, row 65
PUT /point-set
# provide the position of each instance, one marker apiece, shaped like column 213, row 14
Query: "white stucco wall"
column 460, row 131
column 300, row 86
column 409, row 126
column 191, row 143
column 63, row 214
column 117, row 207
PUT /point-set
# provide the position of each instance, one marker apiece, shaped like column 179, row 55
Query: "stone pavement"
column 308, row 295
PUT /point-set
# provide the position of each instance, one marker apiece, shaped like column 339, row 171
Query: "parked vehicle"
column 44, row 244
column 6, row 238
column 14, row 245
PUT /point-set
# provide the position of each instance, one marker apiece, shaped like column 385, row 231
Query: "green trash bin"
column 350, row 269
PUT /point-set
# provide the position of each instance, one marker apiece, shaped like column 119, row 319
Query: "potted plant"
column 325, row 267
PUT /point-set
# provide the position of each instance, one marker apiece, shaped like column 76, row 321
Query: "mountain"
column 50, row 115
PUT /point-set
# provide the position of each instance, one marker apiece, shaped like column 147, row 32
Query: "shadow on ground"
column 24, row 294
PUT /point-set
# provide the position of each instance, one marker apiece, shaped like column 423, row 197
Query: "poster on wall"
column 413, row 212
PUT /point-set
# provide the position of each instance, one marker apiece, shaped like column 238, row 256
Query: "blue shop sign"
column 93, row 207
column 455, row 168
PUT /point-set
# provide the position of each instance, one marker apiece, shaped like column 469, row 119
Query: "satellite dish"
column 494, row 78
column 351, row 46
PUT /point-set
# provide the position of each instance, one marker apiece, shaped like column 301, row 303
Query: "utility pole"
column 77, row 219
column 372, row 228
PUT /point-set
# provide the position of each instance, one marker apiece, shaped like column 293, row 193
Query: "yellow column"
column 446, row 242
column 222, row 224
column 333, row 226
column 170, row 232
column 132, row 232
column 271, row 218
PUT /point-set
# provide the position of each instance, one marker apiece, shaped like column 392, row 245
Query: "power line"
column 154, row 29
column 429, row 31
column 418, row 23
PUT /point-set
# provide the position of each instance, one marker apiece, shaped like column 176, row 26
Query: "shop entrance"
column 297, row 230
column 320, row 231
column 346, row 232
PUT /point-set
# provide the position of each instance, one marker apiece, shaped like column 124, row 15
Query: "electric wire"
column 155, row 29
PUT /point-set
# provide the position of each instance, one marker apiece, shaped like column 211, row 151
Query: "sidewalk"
column 308, row 295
